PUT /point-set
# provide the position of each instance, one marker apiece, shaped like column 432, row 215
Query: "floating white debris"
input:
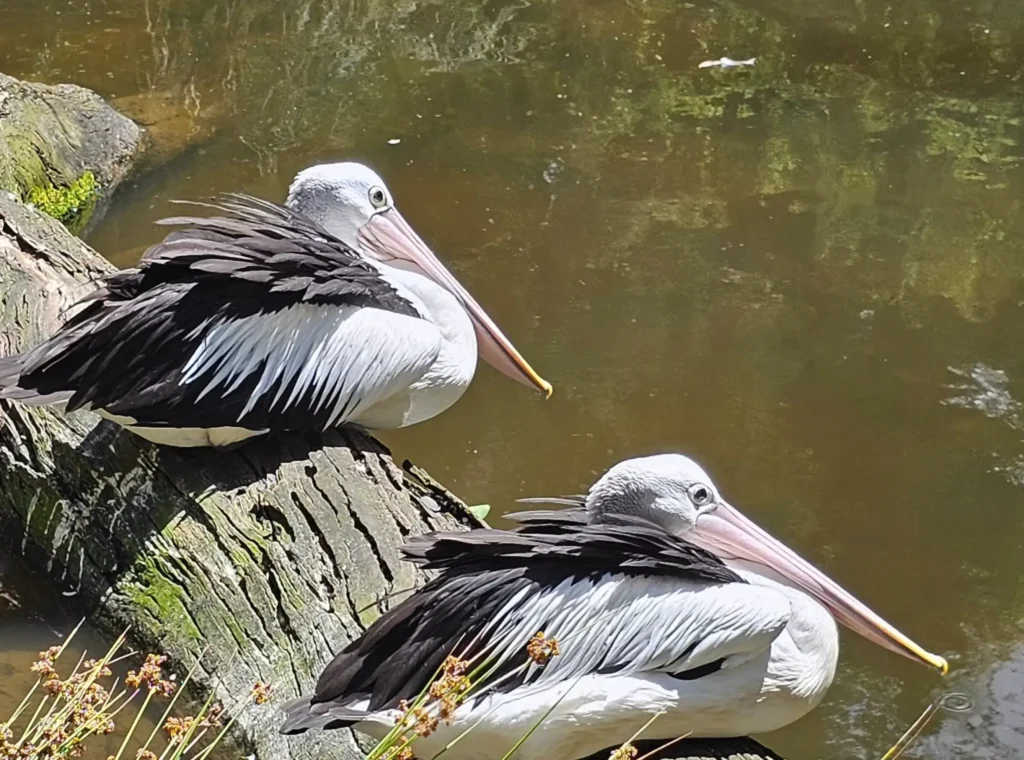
column 726, row 63
column 394, row 141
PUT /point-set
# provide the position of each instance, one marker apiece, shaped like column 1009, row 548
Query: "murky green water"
column 806, row 273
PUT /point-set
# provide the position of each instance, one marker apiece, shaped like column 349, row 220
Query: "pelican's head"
column 341, row 197
column 675, row 492
column 352, row 202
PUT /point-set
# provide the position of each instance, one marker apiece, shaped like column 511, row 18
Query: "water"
column 805, row 273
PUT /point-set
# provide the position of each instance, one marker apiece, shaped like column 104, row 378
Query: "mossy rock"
column 62, row 148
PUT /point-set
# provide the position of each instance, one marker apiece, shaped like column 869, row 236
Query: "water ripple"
column 986, row 391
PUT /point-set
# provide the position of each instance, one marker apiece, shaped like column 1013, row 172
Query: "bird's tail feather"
column 10, row 370
column 302, row 715
column 10, row 384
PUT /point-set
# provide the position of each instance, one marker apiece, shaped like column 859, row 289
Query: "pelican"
column 662, row 598
column 326, row 311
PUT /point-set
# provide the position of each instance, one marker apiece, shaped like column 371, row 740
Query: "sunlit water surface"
column 806, row 273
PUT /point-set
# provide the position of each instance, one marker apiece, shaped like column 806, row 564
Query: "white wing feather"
column 343, row 360
column 633, row 625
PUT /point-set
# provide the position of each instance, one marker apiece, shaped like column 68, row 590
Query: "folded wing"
column 258, row 319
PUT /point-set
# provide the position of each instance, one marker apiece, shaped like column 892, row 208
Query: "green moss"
column 236, row 632
column 149, row 588
column 367, row 611
column 71, row 205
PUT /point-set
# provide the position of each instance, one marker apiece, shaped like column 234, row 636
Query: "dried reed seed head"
column 44, row 668
column 454, row 666
column 425, row 724
column 448, row 691
column 166, row 688
column 416, row 718
column 213, row 717
column 151, row 674
column 178, row 728
column 95, row 665
column 50, row 655
column 261, row 692
column 540, row 649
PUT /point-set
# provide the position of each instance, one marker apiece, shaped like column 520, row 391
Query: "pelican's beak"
column 726, row 532
column 391, row 239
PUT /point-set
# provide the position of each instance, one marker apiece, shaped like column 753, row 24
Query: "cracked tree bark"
column 261, row 562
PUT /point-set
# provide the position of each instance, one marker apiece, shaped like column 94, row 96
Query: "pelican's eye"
column 378, row 198
column 700, row 495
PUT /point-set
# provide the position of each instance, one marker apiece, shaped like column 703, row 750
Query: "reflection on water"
column 771, row 267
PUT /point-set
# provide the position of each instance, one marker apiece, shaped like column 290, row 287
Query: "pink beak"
column 726, row 532
column 391, row 239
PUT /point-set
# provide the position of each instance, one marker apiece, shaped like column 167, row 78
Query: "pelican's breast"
column 804, row 656
column 449, row 376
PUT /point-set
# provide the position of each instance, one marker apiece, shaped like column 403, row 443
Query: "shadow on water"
column 773, row 268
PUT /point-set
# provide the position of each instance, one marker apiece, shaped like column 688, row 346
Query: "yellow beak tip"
column 942, row 665
column 545, row 388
